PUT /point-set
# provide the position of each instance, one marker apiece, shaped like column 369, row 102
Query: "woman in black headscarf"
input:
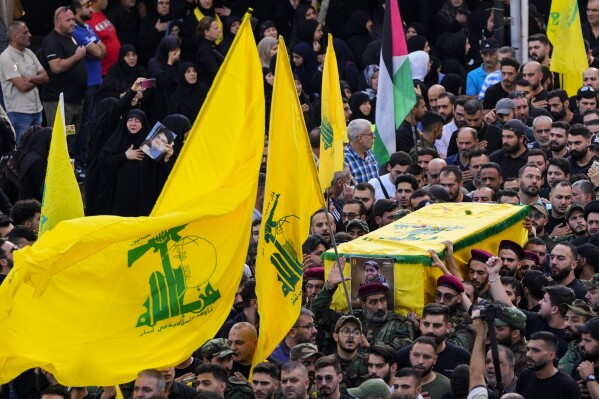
column 304, row 66
column 361, row 106
column 108, row 114
column 32, row 162
column 232, row 24
column 348, row 70
column 180, row 125
column 163, row 68
column 123, row 73
column 416, row 43
column 190, row 93
column 152, row 29
column 455, row 46
column 208, row 59
column 453, row 84
column 357, row 34
column 131, row 181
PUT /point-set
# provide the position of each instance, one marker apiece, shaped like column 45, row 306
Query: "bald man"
column 433, row 94
column 243, row 338
column 533, row 73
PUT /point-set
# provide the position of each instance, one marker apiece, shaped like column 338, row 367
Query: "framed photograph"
column 157, row 140
column 366, row 270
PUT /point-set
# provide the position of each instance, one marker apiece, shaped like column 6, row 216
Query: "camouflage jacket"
column 238, row 389
column 572, row 355
column 354, row 371
column 396, row 330
column 519, row 350
column 462, row 333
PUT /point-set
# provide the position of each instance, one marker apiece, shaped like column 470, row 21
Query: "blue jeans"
column 21, row 122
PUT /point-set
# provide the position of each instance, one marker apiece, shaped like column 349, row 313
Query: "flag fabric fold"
column 98, row 299
column 62, row 197
column 569, row 57
column 332, row 129
column 395, row 96
column 292, row 195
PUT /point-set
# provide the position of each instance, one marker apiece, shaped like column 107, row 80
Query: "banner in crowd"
column 292, row 195
column 97, row 299
column 62, row 196
column 396, row 96
column 333, row 130
column 569, row 57
column 404, row 244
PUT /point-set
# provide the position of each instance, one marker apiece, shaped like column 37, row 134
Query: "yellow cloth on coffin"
column 467, row 225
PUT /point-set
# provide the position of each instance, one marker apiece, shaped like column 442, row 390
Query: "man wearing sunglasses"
column 449, row 293
column 6, row 260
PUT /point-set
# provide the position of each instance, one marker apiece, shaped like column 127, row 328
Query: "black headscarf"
column 188, row 98
column 304, row 31
column 228, row 37
column 167, row 44
column 453, row 83
column 358, row 98
column 122, row 69
column 416, row 43
column 356, row 34
column 32, row 162
column 178, row 124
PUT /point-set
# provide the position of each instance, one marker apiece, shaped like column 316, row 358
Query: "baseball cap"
column 579, row 307
column 347, row 319
column 572, row 208
column 373, row 388
column 540, row 208
column 511, row 316
column 489, row 45
column 504, row 106
column 362, row 225
column 514, row 125
column 218, row 347
column 595, row 141
column 304, row 351
column 591, row 326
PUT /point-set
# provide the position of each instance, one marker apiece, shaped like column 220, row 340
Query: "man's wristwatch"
column 590, row 378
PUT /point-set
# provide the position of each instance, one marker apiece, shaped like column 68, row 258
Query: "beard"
column 529, row 190
column 534, row 366
column 570, row 335
column 377, row 317
column 555, row 146
column 438, row 340
column 505, row 271
column 578, row 155
column 512, row 149
column 559, row 115
column 591, row 357
column 558, row 275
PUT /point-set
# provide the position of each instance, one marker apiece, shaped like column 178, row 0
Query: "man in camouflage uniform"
column 510, row 325
column 578, row 312
column 307, row 354
column 218, row 351
column 354, row 364
column 592, row 296
column 449, row 292
column 380, row 325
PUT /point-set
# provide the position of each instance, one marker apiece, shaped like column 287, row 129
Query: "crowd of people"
column 485, row 128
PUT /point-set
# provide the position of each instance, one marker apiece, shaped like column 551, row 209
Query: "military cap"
column 480, row 255
column 592, row 206
column 532, row 256
column 304, row 351
column 449, row 281
column 572, row 208
column 579, row 307
column 360, row 224
column 590, row 252
column 401, row 213
column 512, row 246
column 315, row 273
column 540, row 208
column 373, row 388
column 372, row 289
column 218, row 347
column 591, row 326
column 347, row 319
column 511, row 316
column 592, row 283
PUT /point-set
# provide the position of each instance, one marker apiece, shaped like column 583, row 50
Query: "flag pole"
column 351, row 310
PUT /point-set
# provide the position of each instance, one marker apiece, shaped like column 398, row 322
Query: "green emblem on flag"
column 326, row 134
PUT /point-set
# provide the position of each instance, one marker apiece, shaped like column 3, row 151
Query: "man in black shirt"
column 586, row 369
column 404, row 135
column 489, row 136
column 514, row 153
column 563, row 261
column 509, row 73
column 579, row 140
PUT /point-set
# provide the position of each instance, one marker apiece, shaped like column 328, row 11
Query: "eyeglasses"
column 517, row 94
column 366, row 134
column 13, row 249
column 446, row 296
column 307, row 326
column 61, row 10
column 314, row 286
column 537, row 216
column 348, row 331
column 327, row 378
column 349, row 215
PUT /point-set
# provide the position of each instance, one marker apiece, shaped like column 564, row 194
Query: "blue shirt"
column 475, row 80
column 490, row 80
column 361, row 169
column 84, row 36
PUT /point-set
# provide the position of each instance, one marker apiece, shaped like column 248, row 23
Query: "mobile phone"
column 148, row 83
column 595, row 165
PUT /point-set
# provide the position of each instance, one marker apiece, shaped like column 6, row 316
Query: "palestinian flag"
column 396, row 96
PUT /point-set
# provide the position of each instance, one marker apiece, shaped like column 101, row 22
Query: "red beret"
column 449, row 281
column 512, row 246
column 480, row 255
column 315, row 273
column 372, row 289
column 532, row 256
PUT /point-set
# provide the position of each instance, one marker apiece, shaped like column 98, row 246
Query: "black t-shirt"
column 489, row 133
column 579, row 289
column 448, row 360
column 73, row 81
column 404, row 137
column 574, row 374
column 576, row 169
column 558, row 386
column 552, row 222
column 195, row 362
column 540, row 97
column 535, row 324
column 509, row 166
column 245, row 370
column 493, row 94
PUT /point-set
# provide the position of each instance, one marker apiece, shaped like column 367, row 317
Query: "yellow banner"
column 333, row 129
column 402, row 248
column 97, row 299
column 62, row 197
column 292, row 195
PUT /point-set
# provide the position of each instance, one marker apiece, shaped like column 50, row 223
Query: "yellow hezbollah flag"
column 569, row 56
column 403, row 246
column 98, row 299
column 62, row 197
column 292, row 195
column 332, row 129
